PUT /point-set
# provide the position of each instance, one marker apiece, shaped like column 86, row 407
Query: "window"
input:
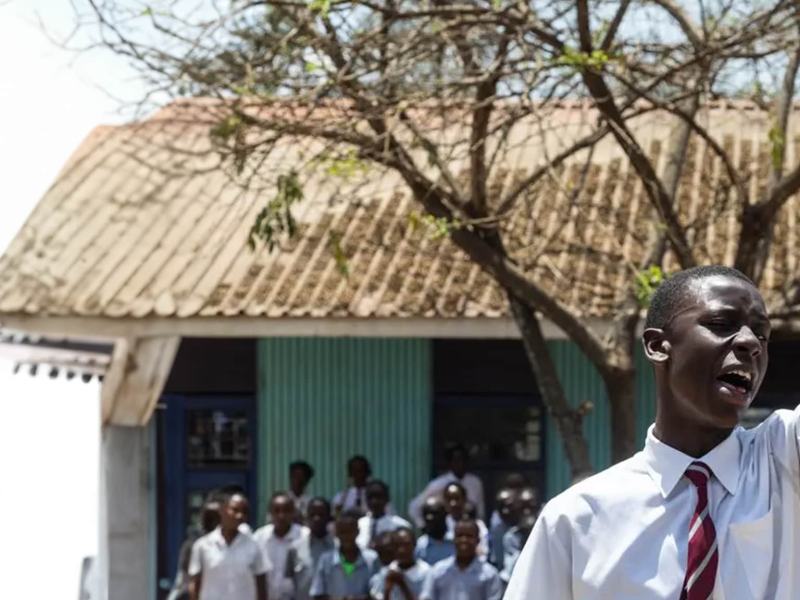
column 217, row 439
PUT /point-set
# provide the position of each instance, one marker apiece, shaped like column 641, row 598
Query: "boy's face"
column 377, row 500
column 454, row 500
column 507, row 506
column 233, row 513
column 435, row 516
column 281, row 511
column 318, row 516
column 346, row 532
column 359, row 472
column 384, row 547
column 528, row 501
column 298, row 480
column 404, row 544
column 713, row 353
column 466, row 539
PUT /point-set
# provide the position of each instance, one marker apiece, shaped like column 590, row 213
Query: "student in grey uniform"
column 404, row 577
column 432, row 545
column 507, row 505
column 345, row 572
column 465, row 576
column 227, row 564
column 513, row 542
column 306, row 552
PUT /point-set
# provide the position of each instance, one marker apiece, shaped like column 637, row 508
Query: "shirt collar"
column 667, row 465
column 337, row 558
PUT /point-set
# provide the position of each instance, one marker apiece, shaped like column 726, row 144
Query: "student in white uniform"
column 457, row 461
column 403, row 578
column 276, row 540
column 707, row 509
column 227, row 564
column 377, row 521
column 306, row 551
column 354, row 496
column 300, row 475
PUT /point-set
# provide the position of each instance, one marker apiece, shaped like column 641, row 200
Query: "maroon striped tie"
column 701, row 565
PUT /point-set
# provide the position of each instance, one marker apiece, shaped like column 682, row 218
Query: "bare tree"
column 456, row 96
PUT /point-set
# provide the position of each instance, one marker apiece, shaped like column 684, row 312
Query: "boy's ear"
column 656, row 346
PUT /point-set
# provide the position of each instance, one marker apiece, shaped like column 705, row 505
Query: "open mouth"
column 741, row 381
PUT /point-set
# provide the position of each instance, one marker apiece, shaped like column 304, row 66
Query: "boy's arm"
column 195, row 571
column 195, row 584
column 261, row 587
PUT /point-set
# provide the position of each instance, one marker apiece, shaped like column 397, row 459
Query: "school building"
column 362, row 333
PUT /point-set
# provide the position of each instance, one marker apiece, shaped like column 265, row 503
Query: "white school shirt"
column 228, row 571
column 472, row 484
column 623, row 533
column 384, row 523
column 276, row 549
column 355, row 498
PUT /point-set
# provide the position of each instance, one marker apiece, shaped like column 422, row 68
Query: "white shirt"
column 623, row 533
column 384, row 523
column 300, row 502
column 228, row 571
column 472, row 484
column 355, row 497
column 414, row 576
column 276, row 549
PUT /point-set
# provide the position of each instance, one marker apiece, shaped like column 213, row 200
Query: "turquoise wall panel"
column 581, row 383
column 324, row 399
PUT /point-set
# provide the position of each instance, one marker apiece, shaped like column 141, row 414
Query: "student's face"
column 454, row 500
column 404, row 544
column 507, row 506
column 385, row 548
column 318, row 516
column 722, row 327
column 528, row 502
column 466, row 539
column 210, row 516
column 233, row 513
column 435, row 516
column 458, row 463
column 359, row 473
column 376, row 499
column 346, row 532
column 298, row 480
column 281, row 512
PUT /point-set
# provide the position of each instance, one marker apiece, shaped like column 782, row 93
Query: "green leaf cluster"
column 339, row 256
column 646, row 282
column 346, row 166
column 437, row 227
column 596, row 59
column 276, row 217
column 777, row 144
column 322, row 7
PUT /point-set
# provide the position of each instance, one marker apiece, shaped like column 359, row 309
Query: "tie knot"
column 698, row 473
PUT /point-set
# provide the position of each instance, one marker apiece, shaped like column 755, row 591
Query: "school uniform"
column 432, row 550
column 302, row 561
column 331, row 578
column 281, row 585
column 472, row 484
column 479, row 581
column 228, row 571
column 512, row 544
column 414, row 576
column 625, row 533
column 369, row 527
column 300, row 503
column 355, row 498
column 483, row 535
column 496, row 534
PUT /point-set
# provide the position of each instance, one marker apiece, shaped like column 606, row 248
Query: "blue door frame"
column 180, row 478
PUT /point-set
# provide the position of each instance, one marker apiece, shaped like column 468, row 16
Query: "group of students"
column 354, row 547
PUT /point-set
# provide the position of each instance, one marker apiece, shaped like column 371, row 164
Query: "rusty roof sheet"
column 143, row 221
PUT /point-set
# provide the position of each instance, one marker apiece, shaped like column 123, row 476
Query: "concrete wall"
column 126, row 544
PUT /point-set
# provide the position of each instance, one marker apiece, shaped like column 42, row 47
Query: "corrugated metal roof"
column 143, row 221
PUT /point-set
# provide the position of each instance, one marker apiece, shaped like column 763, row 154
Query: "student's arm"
column 494, row 588
column 195, row 571
column 195, row 584
column 543, row 564
column 319, row 583
column 429, row 586
column 261, row 587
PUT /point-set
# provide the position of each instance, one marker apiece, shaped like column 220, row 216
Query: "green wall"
column 324, row 399
column 582, row 382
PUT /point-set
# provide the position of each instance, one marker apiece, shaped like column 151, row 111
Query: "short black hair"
column 456, row 484
column 378, row 483
column 303, row 466
column 362, row 459
column 671, row 293
column 405, row 529
column 279, row 494
column 469, row 521
column 350, row 514
column 319, row 500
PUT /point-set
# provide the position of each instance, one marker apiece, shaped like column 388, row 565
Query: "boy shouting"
column 707, row 509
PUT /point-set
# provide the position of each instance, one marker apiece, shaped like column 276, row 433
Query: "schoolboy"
column 513, row 542
column 455, row 501
column 354, row 497
column 707, row 508
column 432, row 545
column 465, row 576
column 384, row 548
column 377, row 521
column 276, row 540
column 227, row 563
column 507, row 507
column 345, row 572
column 300, row 475
column 404, row 577
column 458, row 463
column 306, row 552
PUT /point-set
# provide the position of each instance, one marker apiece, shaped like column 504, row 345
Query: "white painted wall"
column 49, row 467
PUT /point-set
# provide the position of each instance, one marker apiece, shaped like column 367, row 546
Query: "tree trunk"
column 568, row 420
column 621, row 389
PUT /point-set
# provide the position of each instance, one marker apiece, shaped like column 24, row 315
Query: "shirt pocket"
column 754, row 542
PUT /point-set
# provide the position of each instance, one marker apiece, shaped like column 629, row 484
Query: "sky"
column 50, row 99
